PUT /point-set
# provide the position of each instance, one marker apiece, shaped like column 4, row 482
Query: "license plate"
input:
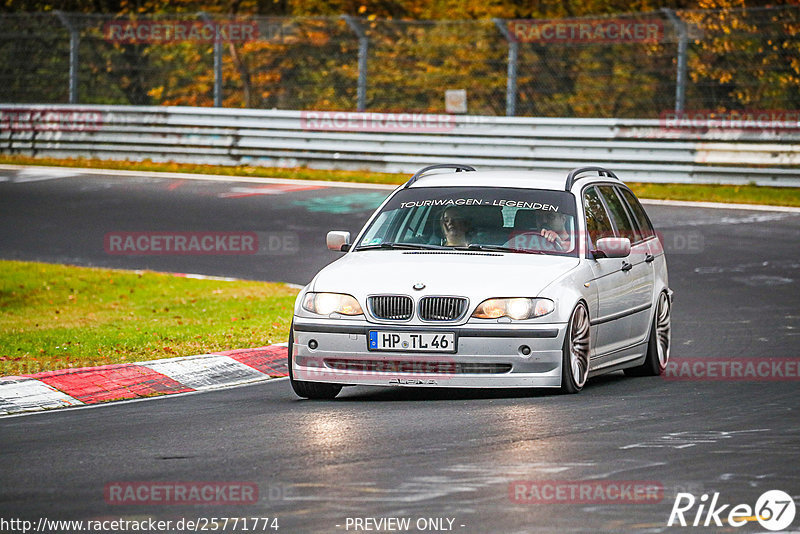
column 412, row 341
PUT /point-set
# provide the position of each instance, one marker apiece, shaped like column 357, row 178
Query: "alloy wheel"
column 579, row 345
column 663, row 329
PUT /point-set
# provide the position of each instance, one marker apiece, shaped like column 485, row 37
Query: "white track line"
column 719, row 205
column 32, row 174
column 206, row 177
column 218, row 279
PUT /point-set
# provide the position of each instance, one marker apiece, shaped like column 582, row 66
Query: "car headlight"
column 328, row 303
column 515, row 308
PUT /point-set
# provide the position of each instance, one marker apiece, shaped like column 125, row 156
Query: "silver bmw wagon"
column 466, row 278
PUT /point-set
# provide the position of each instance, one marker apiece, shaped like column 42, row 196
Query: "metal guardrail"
column 647, row 150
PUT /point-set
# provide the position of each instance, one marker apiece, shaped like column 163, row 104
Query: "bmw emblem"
column 419, row 286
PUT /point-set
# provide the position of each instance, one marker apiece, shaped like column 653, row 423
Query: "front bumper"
column 487, row 356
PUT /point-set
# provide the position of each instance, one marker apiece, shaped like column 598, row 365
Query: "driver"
column 554, row 230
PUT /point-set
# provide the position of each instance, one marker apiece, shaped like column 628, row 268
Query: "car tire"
column 309, row 390
column 575, row 351
column 658, row 343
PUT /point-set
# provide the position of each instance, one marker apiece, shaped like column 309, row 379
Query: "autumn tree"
column 306, row 56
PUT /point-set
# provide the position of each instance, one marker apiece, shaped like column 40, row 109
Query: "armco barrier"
column 649, row 150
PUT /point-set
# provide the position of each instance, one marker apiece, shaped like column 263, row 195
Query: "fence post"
column 217, row 62
column 74, row 41
column 683, row 43
column 511, row 77
column 363, row 46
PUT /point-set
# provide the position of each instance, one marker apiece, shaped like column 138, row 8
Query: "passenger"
column 455, row 228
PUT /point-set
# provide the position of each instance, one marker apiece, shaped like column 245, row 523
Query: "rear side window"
column 645, row 227
column 619, row 213
column 598, row 223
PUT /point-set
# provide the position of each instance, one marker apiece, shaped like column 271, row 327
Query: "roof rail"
column 457, row 166
column 572, row 177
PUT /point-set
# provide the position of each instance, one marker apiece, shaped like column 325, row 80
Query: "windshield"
column 482, row 218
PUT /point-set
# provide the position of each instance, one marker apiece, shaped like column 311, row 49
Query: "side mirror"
column 612, row 247
column 339, row 241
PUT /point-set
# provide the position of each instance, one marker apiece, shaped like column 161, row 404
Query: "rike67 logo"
column 774, row 510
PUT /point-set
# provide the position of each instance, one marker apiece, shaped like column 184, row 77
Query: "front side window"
column 598, row 223
column 476, row 218
column 618, row 212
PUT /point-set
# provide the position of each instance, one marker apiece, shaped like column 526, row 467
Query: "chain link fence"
column 628, row 66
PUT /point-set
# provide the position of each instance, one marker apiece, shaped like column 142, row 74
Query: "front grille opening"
column 442, row 308
column 391, row 307
column 416, row 367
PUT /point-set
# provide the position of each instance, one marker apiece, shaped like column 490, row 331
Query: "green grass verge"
column 726, row 194
column 57, row 316
column 742, row 194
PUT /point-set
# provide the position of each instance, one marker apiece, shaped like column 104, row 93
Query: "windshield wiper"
column 500, row 248
column 388, row 245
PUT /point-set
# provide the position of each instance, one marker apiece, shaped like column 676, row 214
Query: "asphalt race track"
column 454, row 457
column 66, row 220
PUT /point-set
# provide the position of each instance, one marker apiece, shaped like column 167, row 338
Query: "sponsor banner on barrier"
column 41, row 120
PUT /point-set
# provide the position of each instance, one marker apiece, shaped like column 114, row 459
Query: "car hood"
column 471, row 274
